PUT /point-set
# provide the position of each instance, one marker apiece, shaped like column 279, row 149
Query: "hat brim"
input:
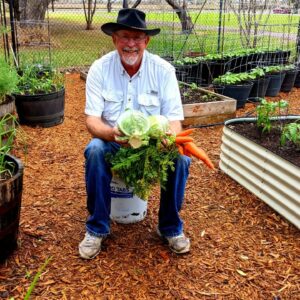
column 110, row 28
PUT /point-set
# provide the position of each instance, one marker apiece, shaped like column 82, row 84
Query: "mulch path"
column 241, row 248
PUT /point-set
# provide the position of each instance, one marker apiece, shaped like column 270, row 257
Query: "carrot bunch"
column 186, row 146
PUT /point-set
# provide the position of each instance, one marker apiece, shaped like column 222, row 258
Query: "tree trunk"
column 30, row 13
column 109, row 6
column 135, row 5
column 89, row 11
column 185, row 19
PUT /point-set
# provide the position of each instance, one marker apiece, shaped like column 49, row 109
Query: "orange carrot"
column 186, row 132
column 183, row 139
column 185, row 152
column 180, row 149
column 198, row 153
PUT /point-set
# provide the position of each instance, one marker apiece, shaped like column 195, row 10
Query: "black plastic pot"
column 297, row 80
column 289, row 80
column 10, row 205
column 45, row 110
column 277, row 57
column 239, row 92
column 209, row 70
column 259, row 88
column 275, row 84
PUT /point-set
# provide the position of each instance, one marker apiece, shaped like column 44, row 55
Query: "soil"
column 271, row 140
column 241, row 248
column 193, row 95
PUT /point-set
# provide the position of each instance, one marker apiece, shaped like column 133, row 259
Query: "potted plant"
column 260, row 84
column 289, row 78
column 186, row 69
column 276, row 74
column 255, row 154
column 213, row 65
column 11, row 186
column 234, row 85
column 40, row 98
column 201, row 106
column 8, row 84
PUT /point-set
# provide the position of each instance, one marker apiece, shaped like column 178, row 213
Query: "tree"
column 30, row 12
column 181, row 11
column 89, row 7
column 250, row 14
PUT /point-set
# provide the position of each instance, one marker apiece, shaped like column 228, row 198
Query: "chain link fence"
column 192, row 28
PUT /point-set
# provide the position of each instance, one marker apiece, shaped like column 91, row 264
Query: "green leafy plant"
column 39, row 78
column 8, row 80
column 265, row 110
column 145, row 166
column 291, row 132
column 278, row 68
column 8, row 133
column 147, row 160
column 233, row 78
column 256, row 73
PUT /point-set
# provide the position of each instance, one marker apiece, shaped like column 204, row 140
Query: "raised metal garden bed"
column 271, row 178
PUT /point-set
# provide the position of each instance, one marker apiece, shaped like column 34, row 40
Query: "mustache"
column 128, row 49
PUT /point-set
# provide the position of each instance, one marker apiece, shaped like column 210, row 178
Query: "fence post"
column 298, row 43
column 220, row 24
column 13, row 32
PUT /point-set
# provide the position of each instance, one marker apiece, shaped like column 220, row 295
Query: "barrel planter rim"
column 18, row 163
column 7, row 106
column 39, row 95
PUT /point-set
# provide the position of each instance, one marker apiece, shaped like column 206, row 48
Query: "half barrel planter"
column 10, row 206
column 204, row 113
column 44, row 110
column 271, row 178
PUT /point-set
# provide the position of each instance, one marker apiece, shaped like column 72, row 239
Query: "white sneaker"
column 179, row 244
column 90, row 246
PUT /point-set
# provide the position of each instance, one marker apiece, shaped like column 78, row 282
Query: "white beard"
column 130, row 58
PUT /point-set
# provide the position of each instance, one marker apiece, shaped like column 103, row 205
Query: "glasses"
column 126, row 39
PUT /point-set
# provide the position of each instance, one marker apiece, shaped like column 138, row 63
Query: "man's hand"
column 119, row 137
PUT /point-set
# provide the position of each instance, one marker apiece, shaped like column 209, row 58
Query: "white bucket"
column 125, row 206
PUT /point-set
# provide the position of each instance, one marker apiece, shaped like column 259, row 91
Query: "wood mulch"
column 241, row 248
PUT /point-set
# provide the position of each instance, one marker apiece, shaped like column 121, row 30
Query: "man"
column 129, row 77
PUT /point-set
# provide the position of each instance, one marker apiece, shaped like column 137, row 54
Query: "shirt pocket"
column 112, row 105
column 149, row 104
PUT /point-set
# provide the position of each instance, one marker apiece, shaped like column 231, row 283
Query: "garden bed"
column 241, row 248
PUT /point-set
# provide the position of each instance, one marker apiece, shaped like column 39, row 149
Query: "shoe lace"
column 90, row 240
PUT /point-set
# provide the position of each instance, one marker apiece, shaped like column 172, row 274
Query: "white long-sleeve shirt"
column 153, row 89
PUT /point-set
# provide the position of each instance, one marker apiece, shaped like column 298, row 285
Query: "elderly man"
column 130, row 77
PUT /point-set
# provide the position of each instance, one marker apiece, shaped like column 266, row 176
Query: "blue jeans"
column 98, row 177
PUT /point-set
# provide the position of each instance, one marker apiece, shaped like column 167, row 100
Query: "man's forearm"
column 97, row 128
column 175, row 126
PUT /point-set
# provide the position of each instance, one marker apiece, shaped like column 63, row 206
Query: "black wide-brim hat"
column 129, row 18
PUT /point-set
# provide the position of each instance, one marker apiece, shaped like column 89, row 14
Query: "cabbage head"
column 159, row 125
column 134, row 125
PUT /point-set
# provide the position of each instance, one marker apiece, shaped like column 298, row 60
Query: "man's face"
column 131, row 45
